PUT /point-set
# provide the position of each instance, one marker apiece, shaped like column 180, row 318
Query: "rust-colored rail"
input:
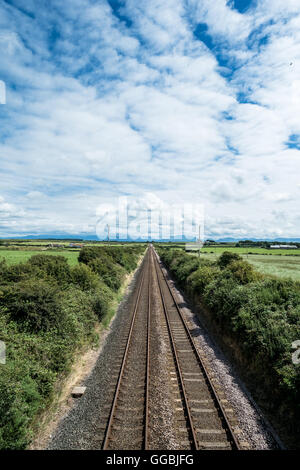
column 146, row 438
column 222, row 413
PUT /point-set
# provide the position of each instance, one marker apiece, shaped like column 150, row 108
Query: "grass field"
column 281, row 263
column 20, row 256
column 281, row 266
column 14, row 254
column 218, row 249
column 252, row 250
column 62, row 242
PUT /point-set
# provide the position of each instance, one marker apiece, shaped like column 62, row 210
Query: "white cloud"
column 222, row 20
column 96, row 109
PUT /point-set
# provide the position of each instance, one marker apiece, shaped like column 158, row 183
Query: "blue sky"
column 180, row 101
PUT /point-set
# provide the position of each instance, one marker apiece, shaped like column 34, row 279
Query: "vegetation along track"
column 201, row 417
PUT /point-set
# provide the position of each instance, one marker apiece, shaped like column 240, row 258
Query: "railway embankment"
column 255, row 319
column 50, row 314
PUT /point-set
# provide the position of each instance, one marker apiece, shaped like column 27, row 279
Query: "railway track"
column 201, row 417
column 207, row 422
column 127, row 426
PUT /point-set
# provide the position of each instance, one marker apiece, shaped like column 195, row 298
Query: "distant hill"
column 92, row 237
column 231, row 240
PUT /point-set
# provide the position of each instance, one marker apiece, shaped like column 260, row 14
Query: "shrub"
column 101, row 300
column 222, row 295
column 199, row 279
column 55, row 267
column 15, row 273
column 123, row 256
column 228, row 257
column 32, row 304
column 13, row 412
column 84, row 277
column 109, row 272
column 185, row 268
column 110, row 262
column 87, row 254
column 242, row 272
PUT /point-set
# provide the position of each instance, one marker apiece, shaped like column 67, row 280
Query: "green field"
column 250, row 250
column 276, row 265
column 277, row 262
column 281, row 266
column 19, row 251
column 20, row 256
column 64, row 242
column 281, row 263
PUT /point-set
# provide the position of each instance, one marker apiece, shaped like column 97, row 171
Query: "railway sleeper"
column 128, row 409
column 128, row 428
column 214, row 445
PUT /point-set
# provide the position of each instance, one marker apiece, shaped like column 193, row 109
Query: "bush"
column 228, row 257
column 111, row 262
column 84, row 277
column 242, row 272
column 16, row 273
column 55, row 267
column 199, row 279
column 32, row 304
column 13, row 412
column 123, row 256
column 110, row 273
column 87, row 254
column 101, row 301
column 185, row 268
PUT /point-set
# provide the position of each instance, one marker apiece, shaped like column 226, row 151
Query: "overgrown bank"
column 48, row 312
column 259, row 318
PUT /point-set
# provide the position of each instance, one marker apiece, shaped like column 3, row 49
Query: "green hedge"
column 261, row 314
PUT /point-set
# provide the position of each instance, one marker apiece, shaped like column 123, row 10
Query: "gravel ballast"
column 83, row 426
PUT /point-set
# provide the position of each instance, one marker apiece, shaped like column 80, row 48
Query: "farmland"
column 250, row 250
column 275, row 265
column 280, row 266
column 21, row 256
column 276, row 262
column 20, row 251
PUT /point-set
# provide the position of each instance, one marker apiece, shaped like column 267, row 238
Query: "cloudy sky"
column 177, row 100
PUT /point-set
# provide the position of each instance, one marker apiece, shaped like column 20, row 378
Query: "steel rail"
column 222, row 412
column 146, row 439
column 124, row 359
column 178, row 367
